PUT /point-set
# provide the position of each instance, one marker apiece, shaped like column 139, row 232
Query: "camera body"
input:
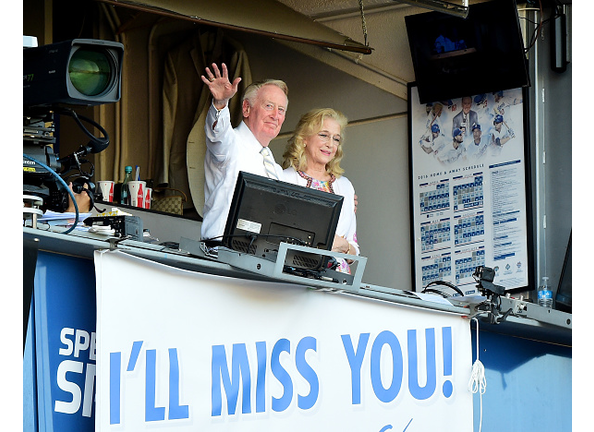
column 484, row 274
column 38, row 141
column 40, row 180
column 83, row 72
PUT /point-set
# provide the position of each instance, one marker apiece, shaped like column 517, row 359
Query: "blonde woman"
column 312, row 159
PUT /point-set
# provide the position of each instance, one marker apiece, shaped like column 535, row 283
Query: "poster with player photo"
column 470, row 207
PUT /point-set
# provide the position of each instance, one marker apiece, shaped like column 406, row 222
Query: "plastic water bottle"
column 545, row 295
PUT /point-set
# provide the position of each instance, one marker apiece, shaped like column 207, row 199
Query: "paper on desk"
column 114, row 212
column 67, row 217
column 64, row 219
column 472, row 299
column 435, row 298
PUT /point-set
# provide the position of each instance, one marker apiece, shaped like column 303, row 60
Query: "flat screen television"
column 265, row 212
column 454, row 57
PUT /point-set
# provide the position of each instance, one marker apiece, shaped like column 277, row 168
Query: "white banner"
column 187, row 351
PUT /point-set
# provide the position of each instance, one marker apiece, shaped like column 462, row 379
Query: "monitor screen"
column 455, row 57
column 265, row 212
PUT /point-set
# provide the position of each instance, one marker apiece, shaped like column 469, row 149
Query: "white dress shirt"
column 229, row 151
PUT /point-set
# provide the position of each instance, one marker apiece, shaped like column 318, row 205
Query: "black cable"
column 55, row 174
column 252, row 240
column 557, row 11
column 442, row 282
column 435, row 291
column 253, row 237
column 100, row 142
column 505, row 315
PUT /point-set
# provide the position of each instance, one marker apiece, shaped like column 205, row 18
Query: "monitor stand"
column 280, row 269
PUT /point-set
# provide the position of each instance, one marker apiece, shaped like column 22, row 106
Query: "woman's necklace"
column 324, row 185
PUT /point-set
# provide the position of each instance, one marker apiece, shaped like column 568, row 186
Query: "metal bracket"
column 114, row 241
column 280, row 270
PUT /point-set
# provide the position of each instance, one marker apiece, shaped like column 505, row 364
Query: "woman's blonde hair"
column 310, row 124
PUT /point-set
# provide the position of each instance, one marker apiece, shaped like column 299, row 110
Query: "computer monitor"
column 265, row 212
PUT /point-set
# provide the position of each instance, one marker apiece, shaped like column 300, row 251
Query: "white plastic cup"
column 137, row 189
column 106, row 187
column 148, row 197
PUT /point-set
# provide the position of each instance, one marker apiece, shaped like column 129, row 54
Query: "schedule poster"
column 469, row 189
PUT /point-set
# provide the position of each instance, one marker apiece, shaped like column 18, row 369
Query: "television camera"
column 83, row 72
column 484, row 276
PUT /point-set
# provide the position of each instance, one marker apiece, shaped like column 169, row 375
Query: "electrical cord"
column 435, row 291
column 505, row 315
column 478, row 382
column 557, row 11
column 60, row 180
column 253, row 238
column 441, row 282
column 97, row 144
